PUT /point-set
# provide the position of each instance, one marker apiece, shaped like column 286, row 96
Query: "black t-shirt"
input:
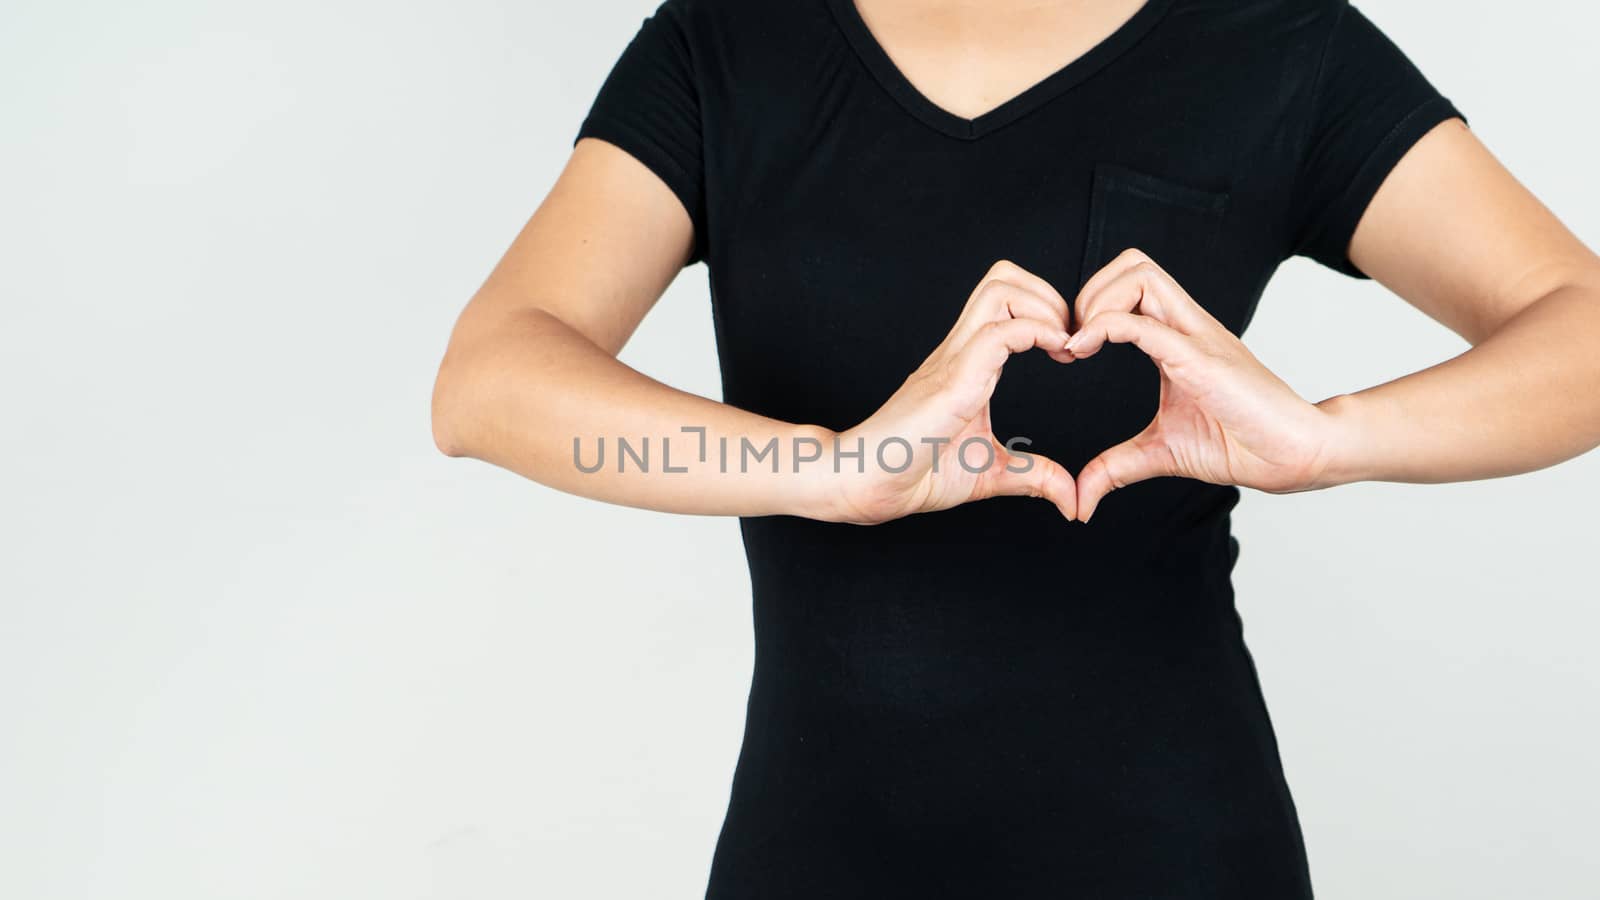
column 990, row 701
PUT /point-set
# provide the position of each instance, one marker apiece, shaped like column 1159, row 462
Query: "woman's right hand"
column 937, row 423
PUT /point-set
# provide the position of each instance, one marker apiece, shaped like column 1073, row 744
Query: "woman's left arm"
column 1457, row 236
column 1453, row 233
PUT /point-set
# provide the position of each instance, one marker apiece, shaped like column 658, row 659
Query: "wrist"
column 815, row 485
column 1345, row 444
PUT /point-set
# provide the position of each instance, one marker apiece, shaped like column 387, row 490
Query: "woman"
column 896, row 199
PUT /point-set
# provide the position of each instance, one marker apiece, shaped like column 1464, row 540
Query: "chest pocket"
column 1115, row 394
column 1174, row 224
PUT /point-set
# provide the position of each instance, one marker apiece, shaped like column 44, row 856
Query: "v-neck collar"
column 877, row 61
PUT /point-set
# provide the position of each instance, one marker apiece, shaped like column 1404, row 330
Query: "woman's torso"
column 992, row 701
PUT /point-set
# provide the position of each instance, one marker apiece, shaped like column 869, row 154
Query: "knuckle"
column 1003, row 267
column 991, row 292
column 982, row 301
column 1113, row 481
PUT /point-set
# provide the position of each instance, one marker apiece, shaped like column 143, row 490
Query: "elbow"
column 448, row 434
column 445, row 439
column 476, row 385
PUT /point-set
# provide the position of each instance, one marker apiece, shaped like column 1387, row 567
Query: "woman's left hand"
column 1223, row 417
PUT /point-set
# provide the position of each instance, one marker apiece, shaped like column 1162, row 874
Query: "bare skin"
column 969, row 56
column 531, row 363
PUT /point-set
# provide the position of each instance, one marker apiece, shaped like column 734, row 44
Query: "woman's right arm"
column 531, row 367
column 531, row 363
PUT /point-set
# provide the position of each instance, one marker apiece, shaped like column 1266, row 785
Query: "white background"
column 259, row 640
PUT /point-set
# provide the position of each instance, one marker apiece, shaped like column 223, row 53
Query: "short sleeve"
column 1370, row 105
column 649, row 107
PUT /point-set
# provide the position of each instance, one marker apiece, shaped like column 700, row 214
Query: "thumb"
column 1018, row 474
column 1136, row 459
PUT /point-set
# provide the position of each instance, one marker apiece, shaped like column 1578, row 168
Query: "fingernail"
column 1073, row 341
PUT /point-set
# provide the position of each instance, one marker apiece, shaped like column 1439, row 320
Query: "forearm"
column 1526, row 397
column 533, row 396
